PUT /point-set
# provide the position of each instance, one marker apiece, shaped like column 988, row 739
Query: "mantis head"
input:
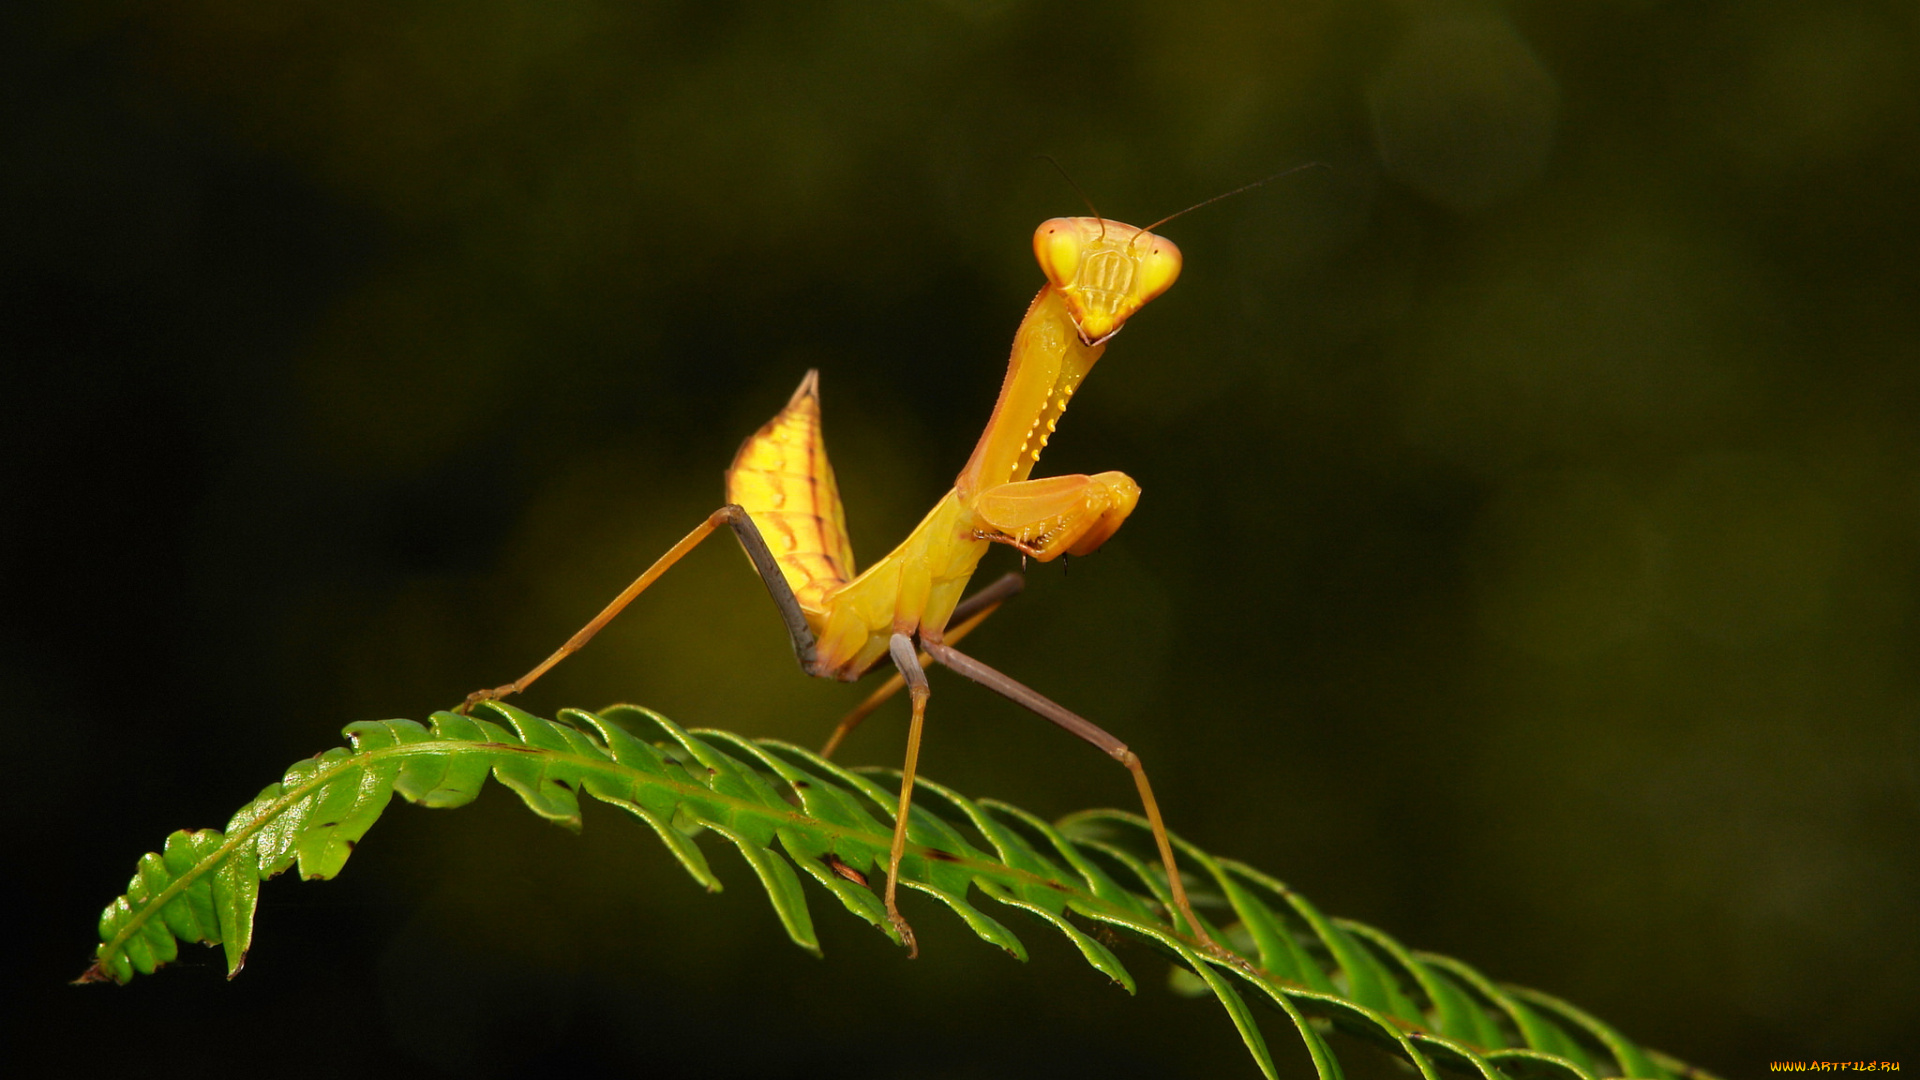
column 1104, row 269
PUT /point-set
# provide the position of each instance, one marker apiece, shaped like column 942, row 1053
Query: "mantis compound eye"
column 1156, row 269
column 1057, row 245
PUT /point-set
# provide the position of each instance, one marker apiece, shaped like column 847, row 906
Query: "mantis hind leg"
column 970, row 613
column 763, row 562
column 1021, row 694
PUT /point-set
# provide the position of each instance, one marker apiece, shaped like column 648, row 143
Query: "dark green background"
column 1526, row 565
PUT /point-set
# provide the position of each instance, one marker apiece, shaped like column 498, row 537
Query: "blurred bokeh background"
column 1526, row 566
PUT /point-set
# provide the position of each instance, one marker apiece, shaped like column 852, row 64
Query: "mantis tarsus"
column 783, row 506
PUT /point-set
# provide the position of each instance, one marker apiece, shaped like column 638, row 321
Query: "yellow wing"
column 782, row 479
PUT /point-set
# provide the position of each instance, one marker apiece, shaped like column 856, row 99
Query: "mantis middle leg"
column 906, row 658
column 1033, row 700
column 970, row 613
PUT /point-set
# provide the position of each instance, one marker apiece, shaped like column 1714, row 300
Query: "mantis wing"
column 782, row 479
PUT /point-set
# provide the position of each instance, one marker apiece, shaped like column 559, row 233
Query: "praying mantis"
column 783, row 506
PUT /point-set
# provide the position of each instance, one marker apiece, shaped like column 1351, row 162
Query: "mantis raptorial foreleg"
column 1056, row 515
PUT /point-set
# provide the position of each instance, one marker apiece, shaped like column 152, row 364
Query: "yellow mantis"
column 907, row 608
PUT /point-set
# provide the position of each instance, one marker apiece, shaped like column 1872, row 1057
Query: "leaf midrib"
column 364, row 759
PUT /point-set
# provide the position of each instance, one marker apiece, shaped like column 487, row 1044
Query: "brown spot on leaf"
column 941, row 856
column 842, row 869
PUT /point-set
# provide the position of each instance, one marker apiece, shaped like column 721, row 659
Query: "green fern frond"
column 784, row 808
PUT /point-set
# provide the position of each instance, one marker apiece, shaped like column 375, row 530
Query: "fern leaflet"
column 834, row 825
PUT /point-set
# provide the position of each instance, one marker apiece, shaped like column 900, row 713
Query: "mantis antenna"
column 1228, row 195
column 1236, row 191
column 1049, row 158
column 1078, row 190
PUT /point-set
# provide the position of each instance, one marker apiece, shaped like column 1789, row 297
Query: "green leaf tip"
column 793, row 815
